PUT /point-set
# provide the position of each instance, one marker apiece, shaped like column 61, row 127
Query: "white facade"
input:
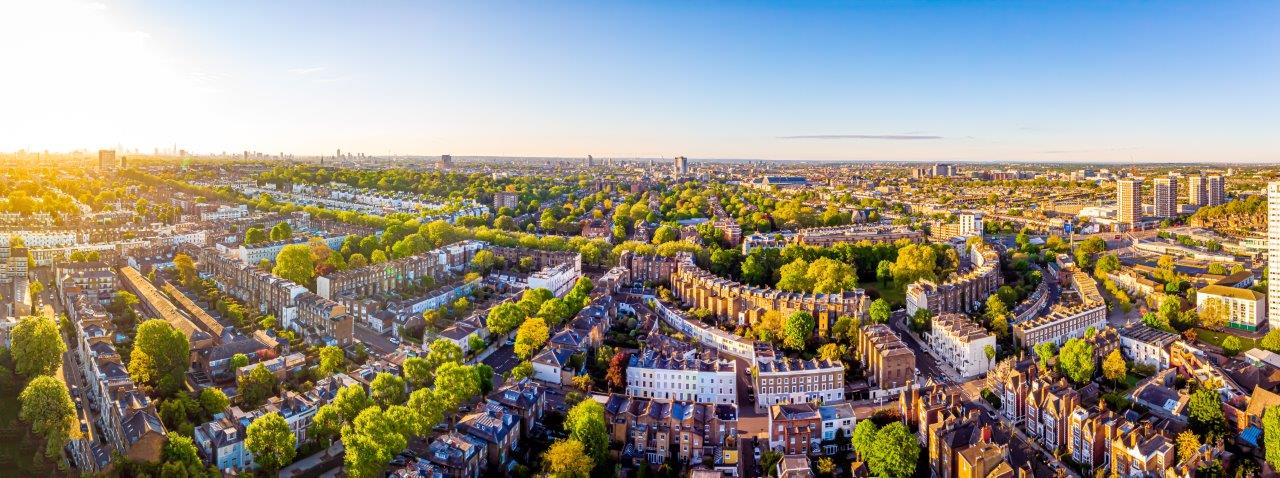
column 970, row 225
column 1165, row 197
column 1149, row 347
column 694, row 380
column 962, row 344
column 559, row 279
column 1246, row 308
column 1273, row 255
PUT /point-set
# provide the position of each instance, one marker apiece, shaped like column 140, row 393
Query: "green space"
column 21, row 450
column 1215, row 338
column 891, row 293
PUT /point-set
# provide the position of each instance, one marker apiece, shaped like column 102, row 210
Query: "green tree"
column 799, row 328
column 455, row 384
column 864, row 435
column 350, row 401
column 371, row 442
column 239, row 360
column 554, row 311
column 254, row 235
column 1088, row 251
column 484, row 378
column 429, row 408
column 1114, row 367
column 1075, row 360
column 884, row 272
column 915, row 262
column 879, row 311
column 186, row 269
column 922, row 321
column 326, row 424
column 46, row 405
column 271, row 441
column 665, row 234
column 179, row 452
column 160, row 357
column 1231, row 345
column 585, row 422
column 1271, row 341
column 1271, row 435
column 1213, row 314
column 387, row 389
column 442, row 351
column 567, row 458
column 281, row 231
column 417, row 371
column 36, row 345
column 794, row 277
column 256, row 387
column 1045, row 351
column 1205, row 415
column 483, row 261
column 294, row 263
column 332, row 361
column 990, row 352
column 213, row 401
column 505, row 317
column 894, row 452
column 531, row 336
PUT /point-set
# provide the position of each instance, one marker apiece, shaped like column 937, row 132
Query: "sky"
column 1147, row 82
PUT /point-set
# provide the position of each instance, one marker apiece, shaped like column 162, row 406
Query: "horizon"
column 1084, row 83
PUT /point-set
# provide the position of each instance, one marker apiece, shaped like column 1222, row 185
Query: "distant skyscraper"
column 1273, row 255
column 590, row 161
column 1165, row 197
column 943, row 169
column 1215, row 191
column 1129, row 201
column 106, row 158
column 681, row 166
column 1197, row 192
column 445, row 161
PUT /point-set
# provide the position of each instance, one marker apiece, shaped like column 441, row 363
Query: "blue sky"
column 1038, row 81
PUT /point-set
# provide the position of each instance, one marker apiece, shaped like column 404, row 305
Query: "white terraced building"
column 654, row 375
column 962, row 344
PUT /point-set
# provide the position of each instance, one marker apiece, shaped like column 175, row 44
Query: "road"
column 926, row 364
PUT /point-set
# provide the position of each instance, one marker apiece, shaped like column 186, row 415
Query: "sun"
column 79, row 75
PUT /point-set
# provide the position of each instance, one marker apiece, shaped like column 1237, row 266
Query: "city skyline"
column 1090, row 82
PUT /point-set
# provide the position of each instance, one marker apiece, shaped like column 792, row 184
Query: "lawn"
column 1215, row 338
column 891, row 293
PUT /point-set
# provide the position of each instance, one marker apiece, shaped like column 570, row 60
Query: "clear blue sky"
column 1045, row 81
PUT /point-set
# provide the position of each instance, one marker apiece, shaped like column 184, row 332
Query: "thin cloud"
column 895, row 137
column 1082, row 151
column 306, row 71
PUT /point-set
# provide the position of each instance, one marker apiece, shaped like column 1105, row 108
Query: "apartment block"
column 786, row 380
column 1246, row 308
column 964, row 292
column 653, row 374
column 1165, row 196
column 962, row 343
column 890, row 364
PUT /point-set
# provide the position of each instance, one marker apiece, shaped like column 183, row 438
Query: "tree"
column 585, row 422
column 442, row 351
column 239, row 360
column 281, row 231
column 483, row 261
column 179, row 452
column 484, row 377
column 505, row 317
column 1214, row 314
column 46, row 405
column 531, row 336
column 665, row 233
column 990, row 352
column 894, row 452
column 271, row 441
column 475, row 343
column 522, row 371
column 1106, row 264
column 915, row 262
column 357, row 260
column 36, row 287
column 922, row 321
column 1271, row 435
column 826, row 467
column 294, row 263
column 371, row 442
column 554, row 311
column 1088, row 251
column 1231, row 345
column 616, row 376
column 798, row 329
column 36, row 345
column 254, row 235
column 332, row 361
column 879, row 311
column 770, row 328
column 884, row 272
column 387, row 389
column 326, row 424
column 1205, row 415
column 1271, row 341
column 567, row 458
column 186, row 268
column 213, row 401
column 1045, row 351
column 455, row 384
column 256, row 387
column 864, row 435
column 1075, row 360
column 417, row 372
column 1114, row 367
column 161, row 356
column 377, row 257
column 1188, row 446
column 350, row 401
